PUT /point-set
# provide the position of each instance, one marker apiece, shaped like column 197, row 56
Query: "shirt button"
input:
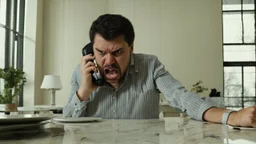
column 114, row 110
column 114, row 97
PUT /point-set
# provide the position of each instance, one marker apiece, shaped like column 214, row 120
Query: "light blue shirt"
column 137, row 97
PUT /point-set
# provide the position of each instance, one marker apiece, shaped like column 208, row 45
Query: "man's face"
column 112, row 57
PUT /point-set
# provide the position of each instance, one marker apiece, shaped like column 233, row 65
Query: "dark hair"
column 110, row 26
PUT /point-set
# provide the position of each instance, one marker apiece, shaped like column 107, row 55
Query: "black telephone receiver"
column 96, row 76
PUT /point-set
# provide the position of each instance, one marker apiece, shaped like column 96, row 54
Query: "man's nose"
column 109, row 59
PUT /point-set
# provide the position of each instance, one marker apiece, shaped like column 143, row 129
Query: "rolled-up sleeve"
column 176, row 94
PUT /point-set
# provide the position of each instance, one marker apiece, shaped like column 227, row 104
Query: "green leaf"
column 13, row 80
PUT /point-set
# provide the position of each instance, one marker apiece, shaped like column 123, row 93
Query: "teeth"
column 112, row 71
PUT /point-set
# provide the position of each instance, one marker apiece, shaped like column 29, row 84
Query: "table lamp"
column 52, row 83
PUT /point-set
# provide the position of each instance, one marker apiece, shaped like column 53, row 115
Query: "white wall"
column 33, row 52
column 39, row 54
column 186, row 35
column 29, row 52
column 66, row 29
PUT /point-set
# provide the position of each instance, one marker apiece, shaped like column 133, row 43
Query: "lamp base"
column 53, row 98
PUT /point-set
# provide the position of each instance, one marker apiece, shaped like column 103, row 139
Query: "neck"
column 114, row 85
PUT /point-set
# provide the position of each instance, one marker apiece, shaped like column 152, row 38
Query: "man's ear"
column 132, row 47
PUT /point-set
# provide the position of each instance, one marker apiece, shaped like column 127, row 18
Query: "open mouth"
column 111, row 73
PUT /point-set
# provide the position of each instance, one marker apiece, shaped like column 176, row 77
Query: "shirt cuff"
column 204, row 106
column 78, row 105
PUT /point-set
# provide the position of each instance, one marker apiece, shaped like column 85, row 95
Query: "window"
column 11, row 35
column 2, row 31
column 239, row 53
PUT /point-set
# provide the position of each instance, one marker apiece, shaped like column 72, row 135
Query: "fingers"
column 252, row 120
column 87, row 58
column 253, row 108
column 88, row 67
column 253, row 115
column 89, row 64
column 253, row 124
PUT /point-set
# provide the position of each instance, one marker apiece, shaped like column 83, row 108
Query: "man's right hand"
column 86, row 86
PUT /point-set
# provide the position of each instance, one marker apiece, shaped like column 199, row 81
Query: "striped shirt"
column 137, row 96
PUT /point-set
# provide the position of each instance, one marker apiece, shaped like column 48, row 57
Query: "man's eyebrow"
column 117, row 49
column 99, row 50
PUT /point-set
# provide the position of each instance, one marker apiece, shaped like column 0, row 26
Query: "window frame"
column 241, row 64
column 14, row 35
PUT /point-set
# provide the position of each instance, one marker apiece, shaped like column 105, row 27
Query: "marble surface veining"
column 171, row 131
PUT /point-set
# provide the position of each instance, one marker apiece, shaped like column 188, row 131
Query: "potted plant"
column 13, row 80
column 198, row 87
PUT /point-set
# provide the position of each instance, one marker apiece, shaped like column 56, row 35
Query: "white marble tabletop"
column 170, row 131
column 35, row 108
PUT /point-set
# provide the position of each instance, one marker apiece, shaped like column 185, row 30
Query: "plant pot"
column 11, row 108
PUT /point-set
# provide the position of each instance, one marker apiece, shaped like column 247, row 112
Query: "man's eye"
column 118, row 52
column 101, row 52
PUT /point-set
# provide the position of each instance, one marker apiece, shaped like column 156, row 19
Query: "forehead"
column 101, row 43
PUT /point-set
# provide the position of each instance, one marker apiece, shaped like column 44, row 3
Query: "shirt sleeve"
column 74, row 107
column 176, row 94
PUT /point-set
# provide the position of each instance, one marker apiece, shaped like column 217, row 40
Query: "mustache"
column 111, row 66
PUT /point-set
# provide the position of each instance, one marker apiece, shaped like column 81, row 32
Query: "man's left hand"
column 243, row 117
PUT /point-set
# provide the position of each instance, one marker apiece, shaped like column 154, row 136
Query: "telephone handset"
column 96, row 76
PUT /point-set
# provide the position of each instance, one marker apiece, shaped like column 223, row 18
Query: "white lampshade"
column 51, row 82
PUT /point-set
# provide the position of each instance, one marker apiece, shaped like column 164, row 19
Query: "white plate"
column 77, row 119
column 24, row 118
column 242, row 128
column 11, row 127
